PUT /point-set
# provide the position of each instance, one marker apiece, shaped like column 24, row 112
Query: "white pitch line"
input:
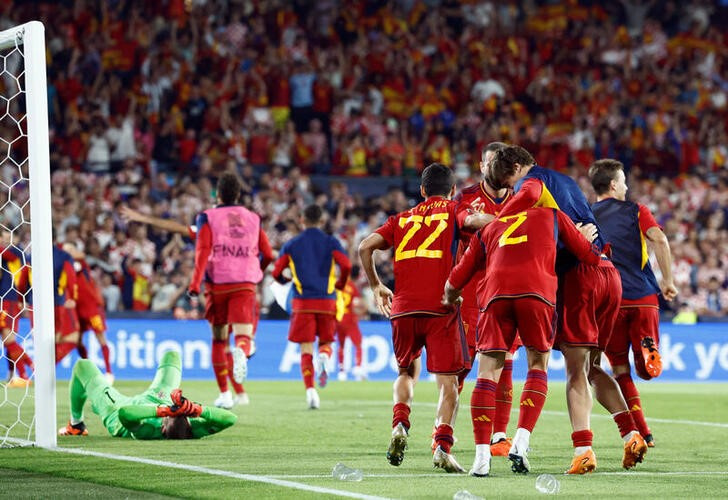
column 665, row 473
column 658, row 420
column 223, row 473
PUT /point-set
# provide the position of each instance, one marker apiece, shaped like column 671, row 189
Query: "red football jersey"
column 474, row 199
column 425, row 240
column 344, row 300
column 519, row 255
column 89, row 296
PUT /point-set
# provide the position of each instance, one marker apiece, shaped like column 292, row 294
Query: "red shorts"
column 589, row 304
column 472, row 335
column 348, row 328
column 233, row 306
column 306, row 326
column 95, row 322
column 505, row 320
column 633, row 324
column 9, row 315
column 442, row 336
column 66, row 321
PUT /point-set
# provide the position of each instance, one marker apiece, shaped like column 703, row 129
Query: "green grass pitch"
column 278, row 448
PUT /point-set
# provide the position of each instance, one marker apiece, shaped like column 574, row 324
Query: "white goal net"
column 27, row 362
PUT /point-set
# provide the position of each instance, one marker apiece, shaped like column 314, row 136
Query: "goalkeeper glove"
column 186, row 407
column 165, row 411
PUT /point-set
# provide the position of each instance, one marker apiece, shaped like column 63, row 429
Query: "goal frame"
column 31, row 38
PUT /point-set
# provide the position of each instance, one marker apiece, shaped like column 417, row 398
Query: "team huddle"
column 518, row 260
column 522, row 259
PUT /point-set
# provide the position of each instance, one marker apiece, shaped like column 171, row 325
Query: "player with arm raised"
column 629, row 226
column 589, row 304
column 231, row 252
column 160, row 412
column 311, row 258
column 477, row 205
column 173, row 226
column 170, row 225
column 425, row 239
column 518, row 254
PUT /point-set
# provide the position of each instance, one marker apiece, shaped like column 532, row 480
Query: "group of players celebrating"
column 522, row 259
column 519, row 259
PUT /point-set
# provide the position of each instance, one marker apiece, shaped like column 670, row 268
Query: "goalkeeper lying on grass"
column 160, row 412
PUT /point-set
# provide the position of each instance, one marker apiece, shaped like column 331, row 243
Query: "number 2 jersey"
column 474, row 199
column 425, row 241
column 519, row 253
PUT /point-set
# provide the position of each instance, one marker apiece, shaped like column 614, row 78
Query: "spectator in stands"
column 713, row 300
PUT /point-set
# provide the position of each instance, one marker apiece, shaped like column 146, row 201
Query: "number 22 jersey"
column 425, row 240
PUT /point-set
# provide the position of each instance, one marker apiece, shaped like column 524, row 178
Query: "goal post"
column 25, row 44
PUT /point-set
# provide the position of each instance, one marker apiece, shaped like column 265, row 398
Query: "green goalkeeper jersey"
column 136, row 416
column 140, row 421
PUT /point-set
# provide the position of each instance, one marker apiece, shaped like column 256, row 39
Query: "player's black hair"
column 228, row 188
column 602, row 173
column 504, row 163
column 178, row 428
column 312, row 214
column 437, row 180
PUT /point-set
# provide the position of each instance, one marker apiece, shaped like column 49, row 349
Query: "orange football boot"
column 584, row 463
column 501, row 448
column 634, row 451
column 19, row 383
column 653, row 361
column 73, row 430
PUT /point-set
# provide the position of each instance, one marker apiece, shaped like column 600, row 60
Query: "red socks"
column 625, row 422
column 105, row 353
column 63, row 348
column 582, row 438
column 17, row 358
column 400, row 415
column 219, row 363
column 443, row 437
column 243, row 342
column 307, row 370
column 238, row 388
column 326, row 349
column 482, row 410
column 533, row 398
column 632, row 396
column 504, row 398
column 340, row 351
column 357, row 354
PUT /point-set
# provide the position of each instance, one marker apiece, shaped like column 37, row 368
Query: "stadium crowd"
column 149, row 102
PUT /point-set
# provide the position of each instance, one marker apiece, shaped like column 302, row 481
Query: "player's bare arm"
column 173, row 226
column 476, row 220
column 382, row 294
column 661, row 247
